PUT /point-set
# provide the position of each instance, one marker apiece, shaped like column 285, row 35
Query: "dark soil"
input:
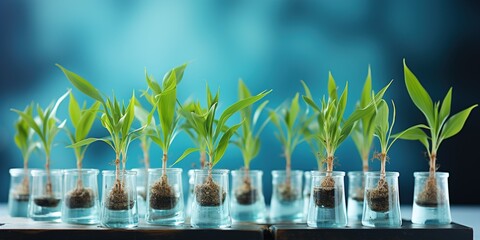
column 80, row 198
column 246, row 194
column 324, row 195
column 378, row 197
column 358, row 194
column 287, row 194
column 208, row 194
column 118, row 200
column 431, row 196
column 46, row 201
column 162, row 195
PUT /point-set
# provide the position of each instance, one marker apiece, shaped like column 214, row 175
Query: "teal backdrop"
column 269, row 44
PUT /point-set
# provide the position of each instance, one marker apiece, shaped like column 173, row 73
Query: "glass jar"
column 45, row 201
column 327, row 200
column 381, row 206
column 165, row 204
column 247, row 201
column 19, row 193
column 141, row 190
column 80, row 196
column 356, row 192
column 119, row 200
column 431, row 204
column 191, row 187
column 306, row 193
column 211, row 205
column 286, row 204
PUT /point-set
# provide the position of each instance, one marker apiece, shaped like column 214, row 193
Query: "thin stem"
column 118, row 184
column 433, row 167
column 203, row 158
column 146, row 156
column 164, row 165
column 48, row 187
column 365, row 162
column 25, row 182
column 383, row 160
column 79, row 168
column 330, row 163
column 288, row 167
column 246, row 177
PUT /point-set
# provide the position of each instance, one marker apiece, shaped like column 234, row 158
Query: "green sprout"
column 440, row 126
column 26, row 144
column 216, row 136
column 46, row 126
column 117, row 119
column 189, row 128
column 142, row 115
column 363, row 131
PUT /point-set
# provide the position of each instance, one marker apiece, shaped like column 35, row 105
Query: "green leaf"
column 419, row 95
column 258, row 111
column 82, row 84
column 86, row 121
column 74, row 110
column 455, row 123
column 365, row 98
column 178, row 71
column 88, row 141
column 332, row 87
column 342, row 104
column 166, row 107
column 223, row 143
column 415, row 133
column 445, row 109
column 308, row 94
column 312, row 104
column 293, row 112
column 185, row 154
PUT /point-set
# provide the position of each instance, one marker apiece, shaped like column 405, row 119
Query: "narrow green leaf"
column 293, row 111
column 312, row 104
column 223, row 143
column 419, row 95
column 365, row 98
column 445, row 109
column 82, row 84
column 74, row 110
column 185, row 154
column 332, row 87
column 455, row 123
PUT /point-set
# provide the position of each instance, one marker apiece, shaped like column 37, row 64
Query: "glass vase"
column 431, row 205
column 142, row 187
column 119, row 200
column 356, row 192
column 80, row 196
column 45, row 201
column 247, row 201
column 381, row 206
column 286, row 204
column 165, row 204
column 327, row 200
column 211, row 206
column 191, row 188
column 306, row 193
column 19, row 193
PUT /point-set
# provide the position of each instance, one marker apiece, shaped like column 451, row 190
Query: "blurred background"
column 270, row 45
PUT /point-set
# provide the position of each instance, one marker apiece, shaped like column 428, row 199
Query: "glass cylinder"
column 165, row 197
column 327, row 200
column 381, row 206
column 211, row 206
column 356, row 192
column 191, row 187
column 119, row 200
column 46, row 197
column 141, row 190
column 431, row 203
column 286, row 204
column 306, row 193
column 80, row 196
column 247, row 201
column 19, row 193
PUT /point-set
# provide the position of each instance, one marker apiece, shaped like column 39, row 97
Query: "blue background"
column 269, row 44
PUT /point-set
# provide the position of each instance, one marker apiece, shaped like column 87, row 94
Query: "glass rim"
column 83, row 170
column 112, row 172
column 20, row 171
column 214, row 171
column 155, row 170
column 138, row 169
column 42, row 172
column 387, row 174
column 283, row 172
column 426, row 174
column 250, row 172
column 324, row 173
column 356, row 173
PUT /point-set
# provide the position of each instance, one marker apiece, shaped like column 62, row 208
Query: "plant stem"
column 330, row 163
column 164, row 166
column 79, row 180
column 246, row 177
column 118, row 184
column 365, row 162
column 25, row 182
column 433, row 167
column 146, row 156
column 288, row 167
column 203, row 158
column 383, row 160
column 48, row 187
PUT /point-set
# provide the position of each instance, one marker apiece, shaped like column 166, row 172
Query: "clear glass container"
column 356, row 192
column 286, row 204
column 45, row 201
column 306, row 193
column 80, row 203
column 119, row 200
column 142, row 181
column 19, row 193
column 247, row 201
column 191, row 187
column 327, row 200
column 165, row 197
column 381, row 206
column 211, row 206
column 431, row 205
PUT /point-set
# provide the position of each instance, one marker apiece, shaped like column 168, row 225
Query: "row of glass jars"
column 74, row 198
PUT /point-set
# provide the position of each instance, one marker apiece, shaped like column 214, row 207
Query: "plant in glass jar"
column 142, row 115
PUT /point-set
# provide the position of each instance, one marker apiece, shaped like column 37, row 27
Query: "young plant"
column 216, row 136
column 248, row 142
column 46, row 126
column 189, row 128
column 117, row 120
column 164, row 101
column 142, row 115
column 440, row 126
column 334, row 130
column 26, row 144
column 291, row 122
column 82, row 120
